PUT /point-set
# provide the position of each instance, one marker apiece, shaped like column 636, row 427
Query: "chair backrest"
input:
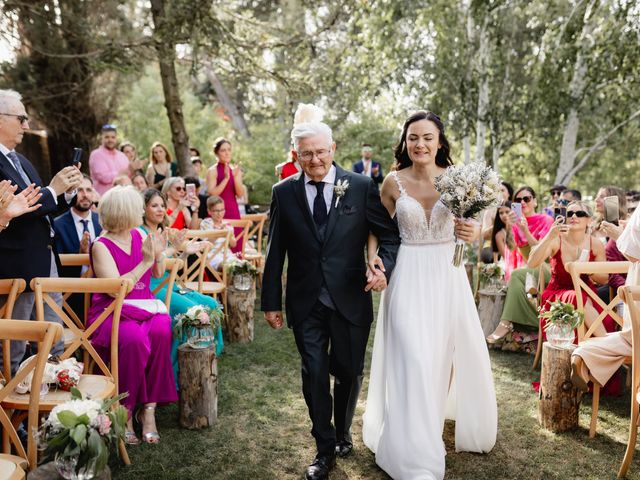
column 630, row 295
column 219, row 240
column 45, row 334
column 78, row 260
column 257, row 228
column 577, row 269
column 118, row 288
column 243, row 236
column 173, row 265
column 12, row 288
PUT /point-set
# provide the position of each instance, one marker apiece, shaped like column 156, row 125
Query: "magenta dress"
column 228, row 195
column 145, row 376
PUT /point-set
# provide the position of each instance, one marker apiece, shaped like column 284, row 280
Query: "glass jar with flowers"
column 242, row 273
column 561, row 320
column 493, row 276
column 78, row 435
column 199, row 325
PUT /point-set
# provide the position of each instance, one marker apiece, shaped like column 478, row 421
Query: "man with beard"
column 107, row 162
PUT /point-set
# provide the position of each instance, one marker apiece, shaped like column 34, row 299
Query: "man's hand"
column 67, row 179
column 274, row 319
column 376, row 281
column 84, row 242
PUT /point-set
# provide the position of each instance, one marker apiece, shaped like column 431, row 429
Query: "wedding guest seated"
column 215, row 221
column 181, row 209
column 488, row 218
column 527, row 232
column 140, row 182
column 144, row 339
column 181, row 299
column 571, row 241
column 633, row 198
column 122, row 180
column 556, row 196
column 502, row 243
column 601, row 357
column 610, row 233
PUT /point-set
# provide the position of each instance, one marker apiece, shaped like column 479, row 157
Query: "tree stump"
column 238, row 321
column 198, row 380
column 491, row 303
column 558, row 405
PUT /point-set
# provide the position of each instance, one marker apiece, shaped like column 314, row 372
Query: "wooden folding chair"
column 218, row 286
column 541, row 286
column 76, row 260
column 96, row 386
column 577, row 269
column 257, row 229
column 45, row 334
column 243, row 237
column 12, row 288
column 173, row 265
column 630, row 296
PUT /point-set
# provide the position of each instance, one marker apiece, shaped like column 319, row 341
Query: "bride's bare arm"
column 389, row 194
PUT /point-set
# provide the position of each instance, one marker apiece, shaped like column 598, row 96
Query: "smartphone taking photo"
column 191, row 190
column 517, row 209
column 560, row 213
column 77, row 157
column 612, row 209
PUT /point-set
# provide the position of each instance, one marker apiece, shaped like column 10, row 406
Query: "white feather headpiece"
column 307, row 113
column 307, row 122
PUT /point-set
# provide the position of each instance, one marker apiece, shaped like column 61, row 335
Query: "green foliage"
column 560, row 313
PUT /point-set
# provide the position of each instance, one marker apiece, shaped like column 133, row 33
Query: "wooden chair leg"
column 123, row 453
column 536, row 359
column 595, row 404
column 631, row 444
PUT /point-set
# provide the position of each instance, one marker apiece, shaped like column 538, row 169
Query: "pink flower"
column 203, row 318
column 103, row 422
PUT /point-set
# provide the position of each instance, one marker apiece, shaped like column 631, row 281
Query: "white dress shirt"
column 311, row 190
column 78, row 224
column 366, row 167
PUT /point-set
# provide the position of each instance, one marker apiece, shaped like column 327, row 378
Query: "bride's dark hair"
column 443, row 157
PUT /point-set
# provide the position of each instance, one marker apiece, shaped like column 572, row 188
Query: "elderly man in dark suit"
column 26, row 243
column 320, row 220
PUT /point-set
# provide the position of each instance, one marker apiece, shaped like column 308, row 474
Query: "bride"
column 430, row 358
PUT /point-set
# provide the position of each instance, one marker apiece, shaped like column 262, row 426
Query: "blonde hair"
column 121, row 208
column 583, row 205
column 170, row 182
column 166, row 151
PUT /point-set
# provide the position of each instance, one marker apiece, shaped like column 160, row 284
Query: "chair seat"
column 11, row 467
column 209, row 288
column 96, row 387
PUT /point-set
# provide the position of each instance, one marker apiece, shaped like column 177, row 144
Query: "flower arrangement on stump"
column 242, row 273
column 79, row 434
column 493, row 275
column 199, row 325
column 561, row 320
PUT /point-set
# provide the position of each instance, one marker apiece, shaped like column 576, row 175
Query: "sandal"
column 130, row 438
column 578, row 382
column 500, row 332
column 149, row 437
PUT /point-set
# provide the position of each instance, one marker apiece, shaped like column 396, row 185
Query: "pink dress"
column 228, row 195
column 145, row 376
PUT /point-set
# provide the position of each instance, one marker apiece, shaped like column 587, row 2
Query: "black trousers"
column 329, row 345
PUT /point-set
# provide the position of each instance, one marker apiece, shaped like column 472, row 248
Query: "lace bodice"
column 418, row 226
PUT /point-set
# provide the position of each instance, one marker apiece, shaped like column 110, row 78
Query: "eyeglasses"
column 219, row 210
column 525, row 199
column 308, row 156
column 577, row 213
column 21, row 118
column 556, row 192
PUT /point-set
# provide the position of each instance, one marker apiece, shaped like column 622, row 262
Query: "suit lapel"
column 96, row 223
column 72, row 233
column 333, row 212
column 301, row 196
column 10, row 173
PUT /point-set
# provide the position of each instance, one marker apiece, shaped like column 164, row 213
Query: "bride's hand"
column 374, row 264
column 466, row 230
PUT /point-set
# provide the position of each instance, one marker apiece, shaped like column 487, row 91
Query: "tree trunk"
column 198, row 380
column 232, row 109
column 239, row 317
column 558, row 405
column 483, row 91
column 166, row 58
column 490, row 309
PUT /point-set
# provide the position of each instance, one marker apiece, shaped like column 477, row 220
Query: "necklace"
column 117, row 240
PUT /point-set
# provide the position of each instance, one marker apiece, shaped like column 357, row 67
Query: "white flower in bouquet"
column 90, row 408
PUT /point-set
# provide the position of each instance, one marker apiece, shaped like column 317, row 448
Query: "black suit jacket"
column 25, row 246
column 358, row 167
column 67, row 241
column 339, row 259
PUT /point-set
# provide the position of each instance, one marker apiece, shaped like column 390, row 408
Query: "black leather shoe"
column 319, row 469
column 343, row 448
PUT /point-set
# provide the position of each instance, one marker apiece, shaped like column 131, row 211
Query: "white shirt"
column 366, row 167
column 78, row 224
column 311, row 190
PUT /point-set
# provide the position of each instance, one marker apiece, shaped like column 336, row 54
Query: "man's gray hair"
column 6, row 96
column 308, row 123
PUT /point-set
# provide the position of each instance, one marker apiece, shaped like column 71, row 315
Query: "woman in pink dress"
column 225, row 181
column 144, row 338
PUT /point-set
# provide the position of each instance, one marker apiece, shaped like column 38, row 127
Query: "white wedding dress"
column 430, row 359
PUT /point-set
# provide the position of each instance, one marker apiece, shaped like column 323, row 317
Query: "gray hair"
column 6, row 96
column 311, row 129
column 169, row 182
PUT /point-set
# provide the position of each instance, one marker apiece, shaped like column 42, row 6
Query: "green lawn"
column 263, row 429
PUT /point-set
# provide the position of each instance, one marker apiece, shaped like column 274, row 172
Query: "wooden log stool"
column 559, row 403
column 198, row 380
column 238, row 322
column 490, row 305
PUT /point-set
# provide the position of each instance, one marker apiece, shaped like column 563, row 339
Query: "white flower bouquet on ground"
column 466, row 190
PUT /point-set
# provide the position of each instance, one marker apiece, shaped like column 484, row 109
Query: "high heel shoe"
column 149, row 437
column 130, row 438
column 577, row 380
column 500, row 332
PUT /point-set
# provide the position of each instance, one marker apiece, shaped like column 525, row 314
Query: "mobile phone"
column 77, row 157
column 612, row 209
column 517, row 209
column 191, row 190
column 560, row 212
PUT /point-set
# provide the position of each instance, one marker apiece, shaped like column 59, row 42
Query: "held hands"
column 66, row 180
column 466, row 230
column 274, row 319
column 376, row 280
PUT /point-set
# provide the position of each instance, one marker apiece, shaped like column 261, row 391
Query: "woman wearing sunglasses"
column 182, row 210
column 567, row 241
column 527, row 232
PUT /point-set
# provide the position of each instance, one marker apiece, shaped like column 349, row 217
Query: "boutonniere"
column 340, row 189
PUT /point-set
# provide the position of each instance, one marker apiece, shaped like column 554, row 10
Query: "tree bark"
column 558, row 405
column 240, row 313
column 483, row 90
column 198, row 380
column 165, row 47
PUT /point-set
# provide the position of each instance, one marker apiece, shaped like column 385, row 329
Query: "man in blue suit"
column 366, row 166
column 78, row 227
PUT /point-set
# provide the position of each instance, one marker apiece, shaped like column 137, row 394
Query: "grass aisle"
column 263, row 428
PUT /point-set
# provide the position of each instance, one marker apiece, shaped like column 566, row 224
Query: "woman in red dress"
column 182, row 211
column 571, row 241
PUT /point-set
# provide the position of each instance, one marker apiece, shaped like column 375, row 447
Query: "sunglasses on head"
column 525, row 199
column 577, row 213
column 556, row 192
